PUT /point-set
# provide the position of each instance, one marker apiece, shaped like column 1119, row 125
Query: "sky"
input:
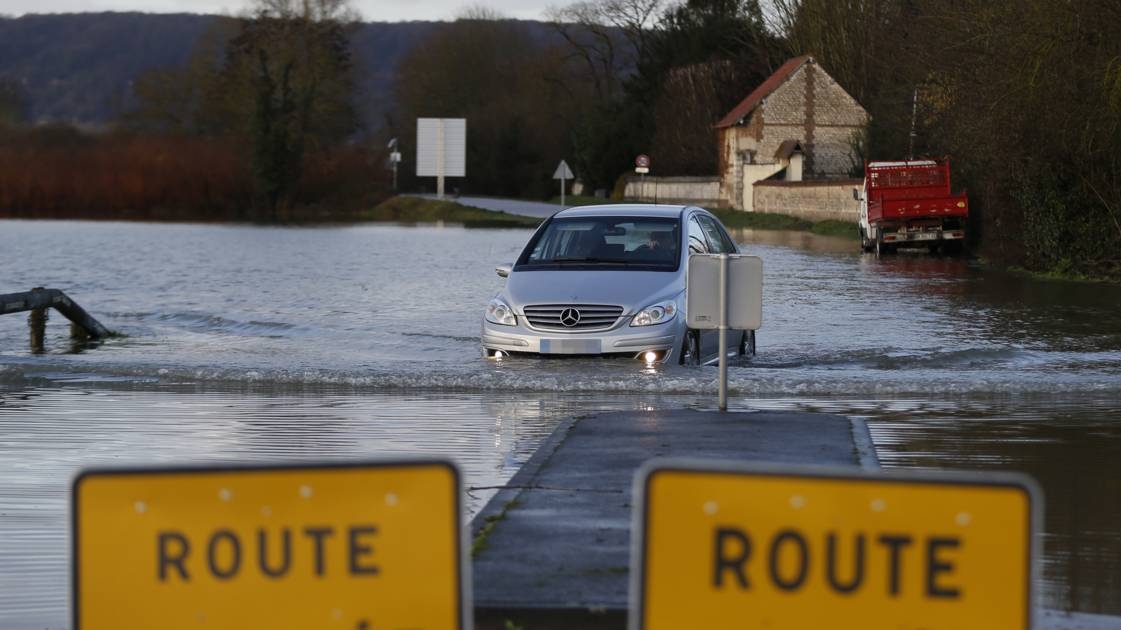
column 371, row 10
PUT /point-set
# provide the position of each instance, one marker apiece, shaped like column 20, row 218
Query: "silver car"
column 608, row 281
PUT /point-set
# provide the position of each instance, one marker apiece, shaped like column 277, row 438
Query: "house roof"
column 787, row 148
column 763, row 91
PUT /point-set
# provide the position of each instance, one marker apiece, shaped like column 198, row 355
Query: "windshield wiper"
column 590, row 260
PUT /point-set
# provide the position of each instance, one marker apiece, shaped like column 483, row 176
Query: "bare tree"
column 692, row 99
column 607, row 37
column 494, row 74
column 338, row 11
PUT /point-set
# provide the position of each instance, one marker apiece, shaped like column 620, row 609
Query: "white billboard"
column 441, row 147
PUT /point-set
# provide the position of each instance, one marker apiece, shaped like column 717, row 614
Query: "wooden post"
column 37, row 322
column 77, row 333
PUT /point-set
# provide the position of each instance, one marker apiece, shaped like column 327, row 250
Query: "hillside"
column 79, row 67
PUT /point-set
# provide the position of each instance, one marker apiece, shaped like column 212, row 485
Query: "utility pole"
column 914, row 110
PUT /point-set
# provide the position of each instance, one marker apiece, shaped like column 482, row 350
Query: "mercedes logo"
column 570, row 317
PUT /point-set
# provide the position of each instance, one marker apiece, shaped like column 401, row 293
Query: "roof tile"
column 763, row 91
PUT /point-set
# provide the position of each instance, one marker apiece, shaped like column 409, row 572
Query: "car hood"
column 633, row 290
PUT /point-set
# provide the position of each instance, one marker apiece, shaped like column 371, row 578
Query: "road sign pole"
column 563, row 173
column 723, row 329
column 440, row 162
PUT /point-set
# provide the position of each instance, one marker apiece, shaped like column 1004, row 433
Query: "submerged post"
column 37, row 322
column 38, row 300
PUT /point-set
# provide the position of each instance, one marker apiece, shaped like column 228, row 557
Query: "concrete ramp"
column 553, row 549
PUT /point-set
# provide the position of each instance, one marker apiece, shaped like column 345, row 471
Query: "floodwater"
column 247, row 343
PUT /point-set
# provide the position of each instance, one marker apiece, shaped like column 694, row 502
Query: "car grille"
column 560, row 316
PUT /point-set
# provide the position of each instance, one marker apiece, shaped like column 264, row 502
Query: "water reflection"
column 806, row 241
column 1075, row 455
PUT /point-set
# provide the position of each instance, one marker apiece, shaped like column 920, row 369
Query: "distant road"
column 509, row 206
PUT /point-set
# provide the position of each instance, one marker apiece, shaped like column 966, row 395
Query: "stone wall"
column 809, row 107
column 814, row 200
column 696, row 191
column 835, row 153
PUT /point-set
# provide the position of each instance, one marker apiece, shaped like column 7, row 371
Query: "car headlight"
column 499, row 313
column 659, row 313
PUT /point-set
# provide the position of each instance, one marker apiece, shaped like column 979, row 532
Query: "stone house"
column 798, row 123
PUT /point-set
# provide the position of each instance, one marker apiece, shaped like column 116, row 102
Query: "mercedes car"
column 608, row 280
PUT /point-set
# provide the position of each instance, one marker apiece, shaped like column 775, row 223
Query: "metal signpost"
column 441, row 149
column 731, row 545
column 562, row 173
column 394, row 159
column 363, row 545
column 724, row 292
column 642, row 167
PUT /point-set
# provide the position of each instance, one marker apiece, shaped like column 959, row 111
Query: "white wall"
column 751, row 174
column 699, row 191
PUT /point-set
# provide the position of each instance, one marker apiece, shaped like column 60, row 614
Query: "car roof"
column 623, row 210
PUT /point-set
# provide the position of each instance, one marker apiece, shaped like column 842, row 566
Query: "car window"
column 627, row 242
column 718, row 239
column 697, row 244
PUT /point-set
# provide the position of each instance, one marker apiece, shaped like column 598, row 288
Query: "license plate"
column 570, row 346
column 925, row 236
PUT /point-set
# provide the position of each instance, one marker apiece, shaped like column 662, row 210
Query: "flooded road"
column 270, row 343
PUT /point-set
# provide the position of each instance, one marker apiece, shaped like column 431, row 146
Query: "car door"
column 698, row 244
column 717, row 241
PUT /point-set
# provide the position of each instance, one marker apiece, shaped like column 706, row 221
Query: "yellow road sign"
column 732, row 546
column 371, row 545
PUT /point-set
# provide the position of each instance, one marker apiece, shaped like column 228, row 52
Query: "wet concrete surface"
column 559, row 536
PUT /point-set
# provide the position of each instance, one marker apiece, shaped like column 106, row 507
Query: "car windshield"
column 610, row 242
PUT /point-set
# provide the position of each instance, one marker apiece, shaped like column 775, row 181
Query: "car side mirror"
column 504, row 270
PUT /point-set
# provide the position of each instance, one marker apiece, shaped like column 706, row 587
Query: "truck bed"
column 904, row 209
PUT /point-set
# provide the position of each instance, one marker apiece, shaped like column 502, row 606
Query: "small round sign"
column 642, row 161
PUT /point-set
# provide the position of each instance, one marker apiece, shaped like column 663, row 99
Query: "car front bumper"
column 622, row 340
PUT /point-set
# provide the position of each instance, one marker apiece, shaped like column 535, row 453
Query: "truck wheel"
column 865, row 242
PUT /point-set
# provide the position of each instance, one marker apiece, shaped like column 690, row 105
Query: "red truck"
column 909, row 203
